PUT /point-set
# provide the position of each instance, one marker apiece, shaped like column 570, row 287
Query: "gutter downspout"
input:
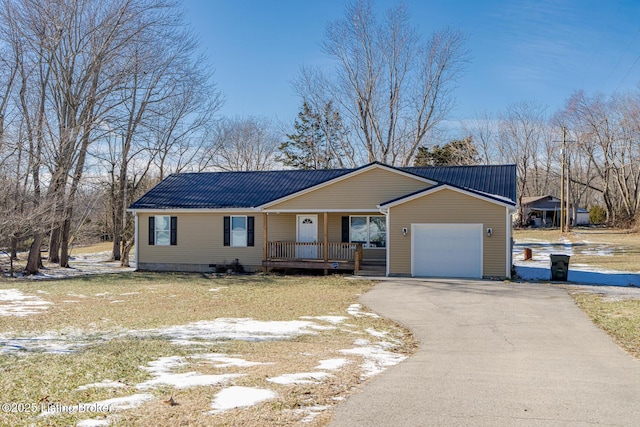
column 385, row 212
column 135, row 238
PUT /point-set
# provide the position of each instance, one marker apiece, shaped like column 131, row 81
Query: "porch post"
column 265, row 236
column 326, row 241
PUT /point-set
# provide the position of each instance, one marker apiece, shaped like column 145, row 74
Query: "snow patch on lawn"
column 126, row 402
column 335, row 320
column 94, row 422
column 114, row 404
column 539, row 268
column 237, row 329
column 239, row 397
column 49, row 342
column 187, row 380
column 332, row 364
column 162, row 370
column 14, row 303
column 311, row 412
column 223, row 361
column 300, row 378
column 103, row 384
column 356, row 311
column 376, row 358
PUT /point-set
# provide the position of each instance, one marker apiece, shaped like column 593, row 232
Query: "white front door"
column 307, row 233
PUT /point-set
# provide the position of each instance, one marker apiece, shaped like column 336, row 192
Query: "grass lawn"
column 102, row 337
column 609, row 249
column 619, row 318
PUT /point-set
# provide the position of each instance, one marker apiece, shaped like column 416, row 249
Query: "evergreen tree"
column 316, row 142
column 454, row 153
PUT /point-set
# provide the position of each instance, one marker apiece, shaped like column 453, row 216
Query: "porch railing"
column 314, row 251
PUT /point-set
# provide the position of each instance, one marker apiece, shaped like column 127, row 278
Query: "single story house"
column 412, row 221
column 544, row 211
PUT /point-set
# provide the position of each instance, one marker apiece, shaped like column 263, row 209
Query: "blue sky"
column 532, row 50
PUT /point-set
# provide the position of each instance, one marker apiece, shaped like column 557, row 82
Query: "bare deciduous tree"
column 391, row 85
column 244, row 144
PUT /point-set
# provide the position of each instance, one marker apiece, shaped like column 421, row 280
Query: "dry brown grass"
column 104, row 305
column 619, row 318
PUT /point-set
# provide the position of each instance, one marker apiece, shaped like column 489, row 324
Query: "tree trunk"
column 115, row 252
column 33, row 261
column 14, row 250
column 64, row 246
column 54, row 245
column 126, row 250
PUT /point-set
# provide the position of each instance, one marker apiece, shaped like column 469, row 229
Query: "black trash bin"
column 559, row 267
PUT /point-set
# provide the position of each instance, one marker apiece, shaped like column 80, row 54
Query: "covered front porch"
column 319, row 241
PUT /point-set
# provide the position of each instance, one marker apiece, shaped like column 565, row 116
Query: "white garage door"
column 446, row 250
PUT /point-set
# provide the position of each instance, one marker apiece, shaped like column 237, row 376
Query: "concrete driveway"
column 495, row 354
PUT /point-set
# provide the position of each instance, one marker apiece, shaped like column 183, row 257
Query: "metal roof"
column 216, row 190
column 499, row 180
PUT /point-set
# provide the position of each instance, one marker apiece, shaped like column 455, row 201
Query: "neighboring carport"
column 495, row 354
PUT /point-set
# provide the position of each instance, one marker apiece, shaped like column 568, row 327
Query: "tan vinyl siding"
column 362, row 191
column 448, row 207
column 200, row 239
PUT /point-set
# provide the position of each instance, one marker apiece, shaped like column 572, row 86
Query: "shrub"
column 597, row 214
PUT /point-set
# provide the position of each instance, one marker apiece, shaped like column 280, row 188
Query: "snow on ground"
column 80, row 265
column 109, row 405
column 299, row 378
column 162, row 368
column 14, row 303
column 49, row 342
column 223, row 361
column 356, row 311
column 94, row 422
column 239, row 397
column 539, row 268
column 187, row 380
column 332, row 364
column 237, row 329
column 329, row 319
column 311, row 412
column 103, row 384
column 376, row 358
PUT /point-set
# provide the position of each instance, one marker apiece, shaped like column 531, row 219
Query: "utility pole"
column 564, row 137
column 565, row 199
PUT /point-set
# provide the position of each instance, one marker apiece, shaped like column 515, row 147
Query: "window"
column 238, row 231
column 371, row 231
column 163, row 230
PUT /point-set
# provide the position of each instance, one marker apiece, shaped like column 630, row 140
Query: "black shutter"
column 174, row 230
column 152, row 230
column 227, row 231
column 345, row 229
column 250, row 231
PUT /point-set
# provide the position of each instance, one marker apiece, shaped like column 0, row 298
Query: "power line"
column 620, row 60
column 628, row 71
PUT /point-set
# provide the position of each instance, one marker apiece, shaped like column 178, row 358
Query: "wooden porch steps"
column 372, row 268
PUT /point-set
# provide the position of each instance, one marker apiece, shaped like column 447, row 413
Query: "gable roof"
column 216, row 190
column 499, row 180
column 442, row 186
column 532, row 199
column 219, row 190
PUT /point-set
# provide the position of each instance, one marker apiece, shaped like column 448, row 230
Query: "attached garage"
column 446, row 250
column 446, row 231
